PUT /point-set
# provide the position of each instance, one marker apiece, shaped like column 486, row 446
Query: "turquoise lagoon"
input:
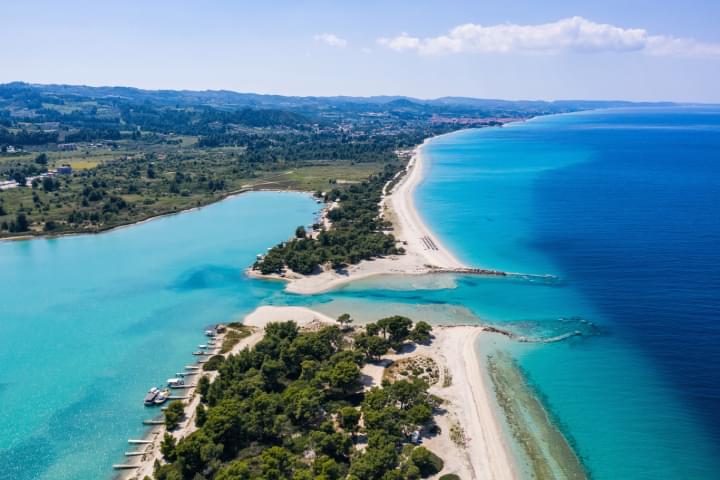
column 616, row 205
column 90, row 323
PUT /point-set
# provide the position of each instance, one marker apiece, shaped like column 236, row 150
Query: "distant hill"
column 226, row 99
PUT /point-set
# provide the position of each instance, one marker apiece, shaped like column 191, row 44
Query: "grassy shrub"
column 214, row 363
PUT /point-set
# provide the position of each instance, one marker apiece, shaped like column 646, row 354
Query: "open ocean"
column 621, row 207
column 624, row 206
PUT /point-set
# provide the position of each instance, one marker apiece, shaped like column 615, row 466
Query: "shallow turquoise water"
column 618, row 205
column 622, row 207
column 89, row 323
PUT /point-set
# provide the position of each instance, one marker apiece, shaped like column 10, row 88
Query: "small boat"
column 151, row 395
column 200, row 353
column 203, row 346
column 162, row 397
column 175, row 382
column 210, row 333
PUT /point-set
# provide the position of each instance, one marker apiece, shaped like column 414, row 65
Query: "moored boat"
column 151, row 395
column 162, row 397
column 175, row 382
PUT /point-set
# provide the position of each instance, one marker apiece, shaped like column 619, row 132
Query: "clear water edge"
column 609, row 396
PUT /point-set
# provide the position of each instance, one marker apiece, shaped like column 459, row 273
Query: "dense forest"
column 293, row 408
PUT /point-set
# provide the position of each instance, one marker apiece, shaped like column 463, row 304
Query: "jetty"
column 153, row 422
column 471, row 271
column 125, row 466
column 139, row 442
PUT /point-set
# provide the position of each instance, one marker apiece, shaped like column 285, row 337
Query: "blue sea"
column 620, row 207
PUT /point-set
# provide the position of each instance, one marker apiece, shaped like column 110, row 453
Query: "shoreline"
column 424, row 252
column 230, row 195
column 473, row 406
column 484, row 452
column 257, row 320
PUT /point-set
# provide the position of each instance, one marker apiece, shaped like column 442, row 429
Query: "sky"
column 519, row 49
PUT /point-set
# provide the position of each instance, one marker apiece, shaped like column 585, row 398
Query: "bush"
column 214, row 363
column 173, row 414
column 449, row 476
column 427, row 462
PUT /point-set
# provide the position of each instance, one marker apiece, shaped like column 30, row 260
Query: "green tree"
column 421, row 332
column 167, row 447
column 300, row 232
column 373, row 347
column 195, row 452
column 203, row 385
column 426, row 461
column 350, row 419
column 173, row 414
column 345, row 320
column 395, row 329
column 200, row 415
column 41, row 159
column 344, row 376
column 276, row 463
column 21, row 223
column 236, row 470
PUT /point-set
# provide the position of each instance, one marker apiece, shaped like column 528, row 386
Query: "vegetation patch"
column 235, row 333
column 418, row 367
column 292, row 407
column 357, row 232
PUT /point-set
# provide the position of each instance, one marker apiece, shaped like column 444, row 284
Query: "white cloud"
column 331, row 39
column 366, row 50
column 575, row 34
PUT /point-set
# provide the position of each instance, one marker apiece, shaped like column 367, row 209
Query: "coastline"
column 257, row 320
column 482, row 452
column 424, row 252
column 228, row 196
column 472, row 405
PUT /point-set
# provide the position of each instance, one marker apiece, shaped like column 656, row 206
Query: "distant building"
column 7, row 184
column 67, row 146
column 64, row 169
column 10, row 149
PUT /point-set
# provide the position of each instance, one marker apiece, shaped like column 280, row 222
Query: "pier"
column 153, row 422
column 139, row 442
column 125, row 466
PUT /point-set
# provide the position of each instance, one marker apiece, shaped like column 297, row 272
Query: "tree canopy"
column 291, row 408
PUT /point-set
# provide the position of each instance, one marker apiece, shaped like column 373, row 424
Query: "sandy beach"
column 469, row 401
column 470, row 405
column 423, row 250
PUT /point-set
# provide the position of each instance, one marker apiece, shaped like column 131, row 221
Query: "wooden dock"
column 153, row 422
column 125, row 466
